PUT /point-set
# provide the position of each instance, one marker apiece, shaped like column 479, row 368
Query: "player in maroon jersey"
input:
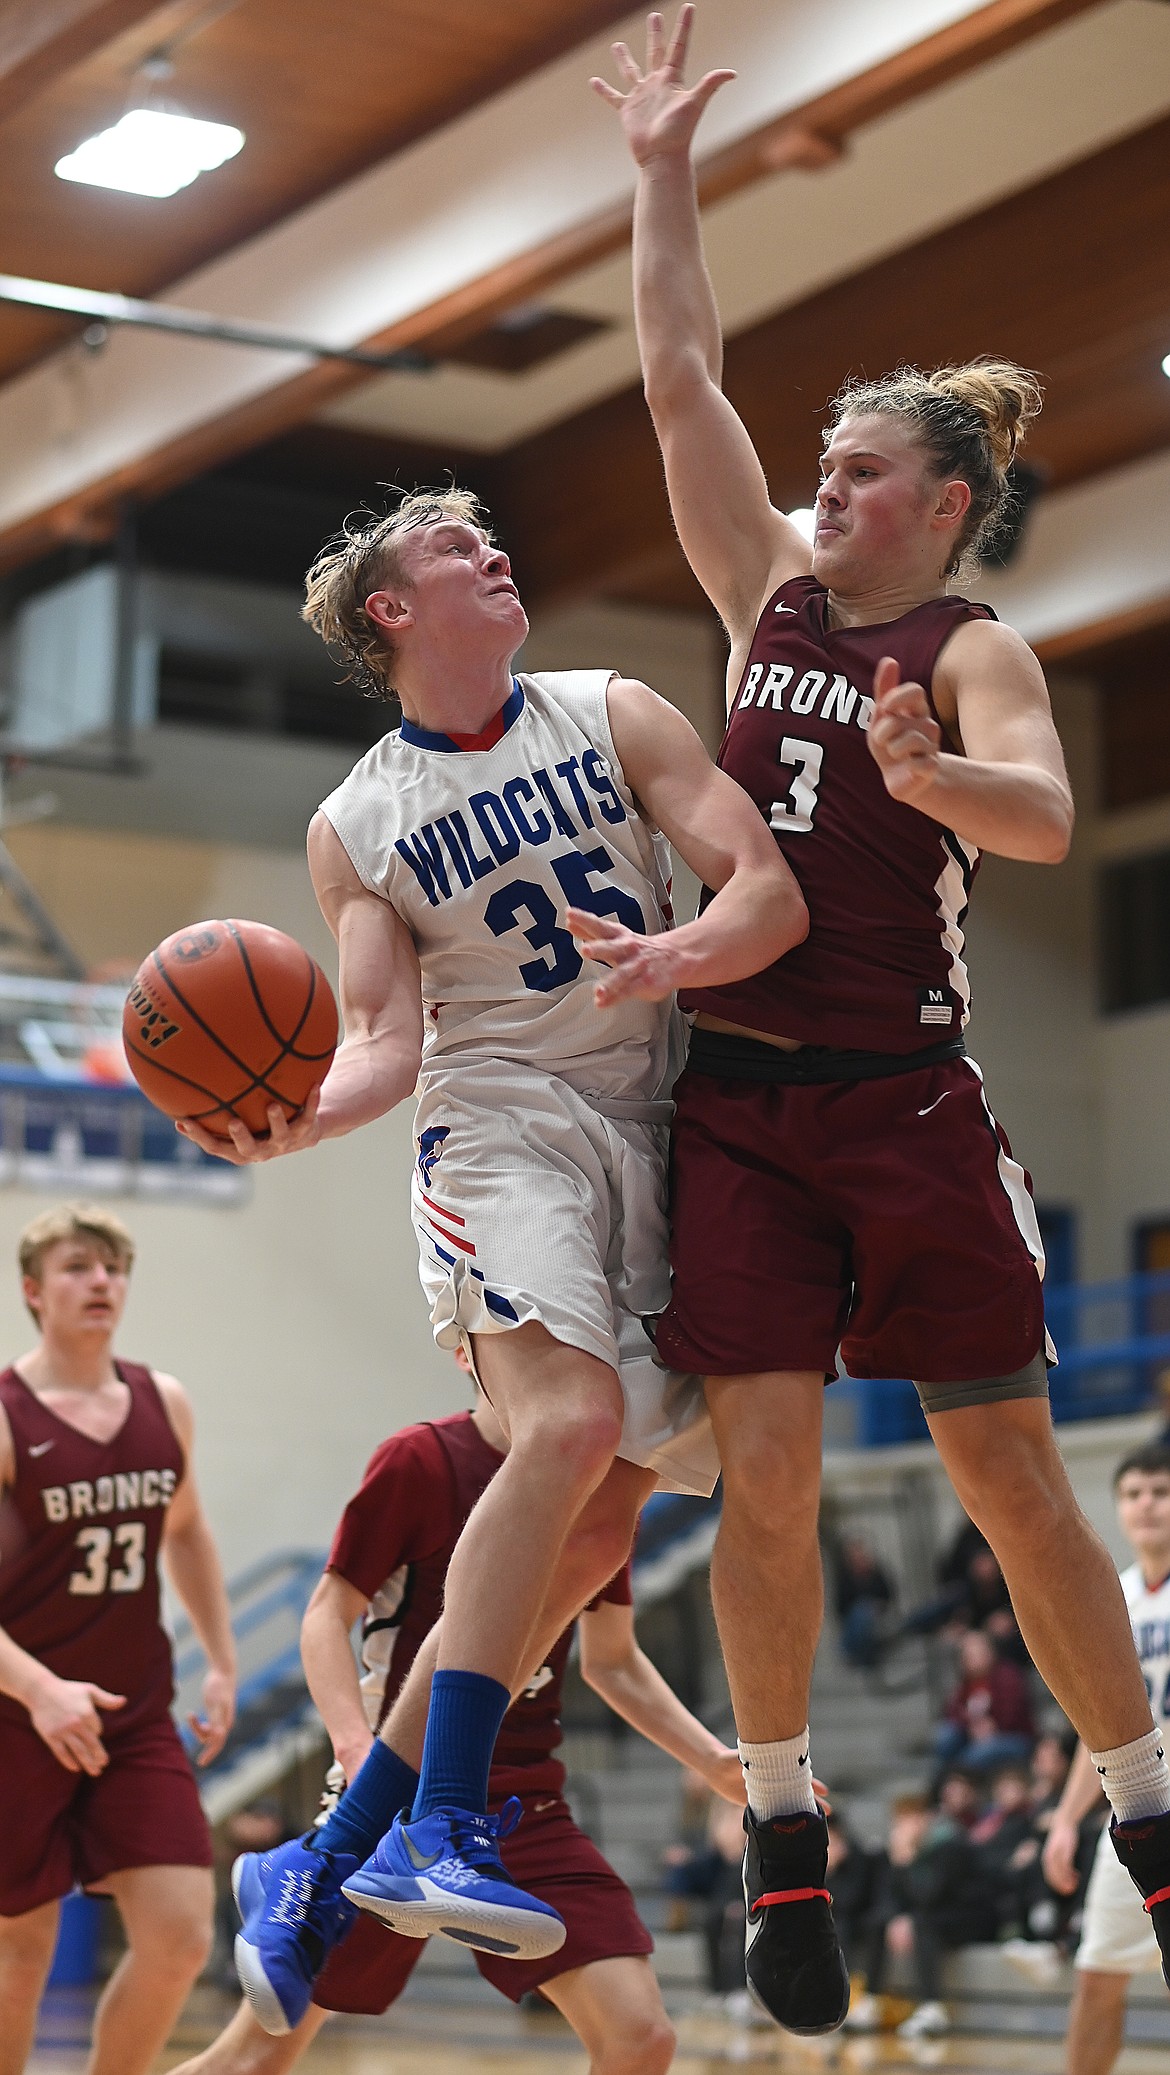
column 838, row 1177
column 95, row 1788
column 386, row 1567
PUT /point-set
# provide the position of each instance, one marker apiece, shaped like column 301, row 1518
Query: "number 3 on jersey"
column 796, row 810
column 525, row 897
column 127, row 1543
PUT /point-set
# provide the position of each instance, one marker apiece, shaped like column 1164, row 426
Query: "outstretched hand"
column 244, row 1149
column 658, row 113
column 905, row 739
column 640, row 968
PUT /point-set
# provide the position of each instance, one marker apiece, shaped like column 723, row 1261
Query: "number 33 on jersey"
column 481, row 845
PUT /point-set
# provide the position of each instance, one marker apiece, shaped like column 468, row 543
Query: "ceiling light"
column 151, row 153
column 805, row 521
column 1166, row 365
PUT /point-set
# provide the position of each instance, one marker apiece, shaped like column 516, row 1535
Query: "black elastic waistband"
column 731, row 1058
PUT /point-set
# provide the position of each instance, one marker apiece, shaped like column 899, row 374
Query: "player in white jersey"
column 476, row 870
column 1117, row 1938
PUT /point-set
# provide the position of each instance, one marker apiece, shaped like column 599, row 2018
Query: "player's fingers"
column 102, row 1699
column 676, row 56
column 585, row 924
column 624, row 60
column 608, row 93
column 187, row 1128
column 655, row 41
column 886, row 676
column 909, row 700
column 708, row 86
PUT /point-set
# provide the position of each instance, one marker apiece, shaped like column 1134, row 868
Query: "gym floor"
column 427, row 2037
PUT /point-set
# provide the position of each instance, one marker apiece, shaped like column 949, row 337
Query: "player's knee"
column 645, row 2046
column 581, row 1439
column 178, row 1944
column 1100, row 1990
column 26, row 1950
column 779, row 1500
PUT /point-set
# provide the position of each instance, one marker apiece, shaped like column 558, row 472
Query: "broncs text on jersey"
column 129, row 1491
column 842, row 701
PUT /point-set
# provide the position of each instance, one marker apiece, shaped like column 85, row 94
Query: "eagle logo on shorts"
column 430, row 1149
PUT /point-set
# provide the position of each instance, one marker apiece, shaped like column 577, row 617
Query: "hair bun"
column 1007, row 397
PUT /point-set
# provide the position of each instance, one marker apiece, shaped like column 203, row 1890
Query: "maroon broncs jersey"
column 881, row 969
column 393, row 1544
column 80, row 1532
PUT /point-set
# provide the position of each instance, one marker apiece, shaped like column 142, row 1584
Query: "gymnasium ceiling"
column 885, row 180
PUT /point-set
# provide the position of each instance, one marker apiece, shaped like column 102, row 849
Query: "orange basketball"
column 226, row 1018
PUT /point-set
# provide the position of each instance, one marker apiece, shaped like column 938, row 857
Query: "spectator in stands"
column 972, row 1590
column 854, row 1875
column 988, row 1719
column 714, row 1875
column 1007, row 1841
column 957, row 1796
column 864, row 1595
column 934, row 1898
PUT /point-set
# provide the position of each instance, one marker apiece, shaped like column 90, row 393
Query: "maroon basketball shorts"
column 884, row 1216
column 546, row 1854
column 63, row 1829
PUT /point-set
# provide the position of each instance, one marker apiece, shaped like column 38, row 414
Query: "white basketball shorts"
column 530, row 1205
column 1117, row 1936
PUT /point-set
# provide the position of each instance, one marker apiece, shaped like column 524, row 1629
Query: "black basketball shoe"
column 1143, row 1847
column 795, row 1967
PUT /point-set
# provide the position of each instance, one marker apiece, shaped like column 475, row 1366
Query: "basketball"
column 225, row 1018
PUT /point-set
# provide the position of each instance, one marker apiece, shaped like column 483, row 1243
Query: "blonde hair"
column 362, row 558
column 971, row 420
column 72, row 1221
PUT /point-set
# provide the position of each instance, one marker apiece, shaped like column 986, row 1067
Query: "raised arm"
column 376, row 1065
column 739, row 546
column 195, row 1571
column 331, row 1672
column 758, row 911
column 1009, row 791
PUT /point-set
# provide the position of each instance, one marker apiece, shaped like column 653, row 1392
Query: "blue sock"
column 383, row 1784
column 462, row 1726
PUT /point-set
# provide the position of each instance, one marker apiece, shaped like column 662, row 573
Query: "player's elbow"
column 672, row 378
column 1049, row 838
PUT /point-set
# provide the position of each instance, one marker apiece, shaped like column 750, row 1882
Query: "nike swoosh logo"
column 41, row 1448
column 787, row 608
column 934, row 1105
column 418, row 1859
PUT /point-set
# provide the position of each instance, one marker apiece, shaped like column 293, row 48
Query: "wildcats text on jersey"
column 512, row 819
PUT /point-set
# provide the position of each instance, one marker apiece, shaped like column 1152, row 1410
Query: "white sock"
column 1135, row 1777
column 778, row 1777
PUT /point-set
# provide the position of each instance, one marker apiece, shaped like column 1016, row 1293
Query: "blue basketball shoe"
column 444, row 1873
column 294, row 1914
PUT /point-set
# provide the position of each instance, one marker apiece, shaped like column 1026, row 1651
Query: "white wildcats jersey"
column 1150, row 1614
column 482, row 850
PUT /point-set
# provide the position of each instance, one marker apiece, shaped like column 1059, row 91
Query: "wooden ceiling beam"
column 808, row 135
column 42, row 40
